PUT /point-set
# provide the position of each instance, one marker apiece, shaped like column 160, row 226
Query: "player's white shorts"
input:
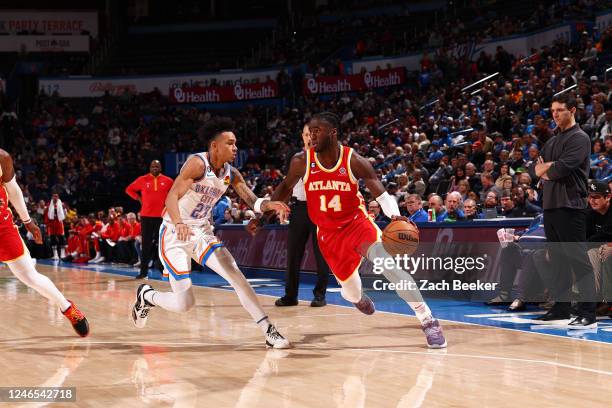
column 176, row 255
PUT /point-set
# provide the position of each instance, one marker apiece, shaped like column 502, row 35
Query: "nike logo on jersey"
column 315, row 171
column 6, row 218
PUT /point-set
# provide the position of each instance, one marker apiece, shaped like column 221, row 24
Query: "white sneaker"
column 99, row 260
column 276, row 340
column 140, row 310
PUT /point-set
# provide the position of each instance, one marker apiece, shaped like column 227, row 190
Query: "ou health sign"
column 355, row 82
column 212, row 94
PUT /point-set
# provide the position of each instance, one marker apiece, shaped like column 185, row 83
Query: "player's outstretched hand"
column 35, row 231
column 281, row 209
column 253, row 227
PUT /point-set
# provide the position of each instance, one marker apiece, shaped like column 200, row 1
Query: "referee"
column 150, row 190
column 563, row 168
column 300, row 227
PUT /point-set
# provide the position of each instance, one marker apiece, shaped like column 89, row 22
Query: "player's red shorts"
column 11, row 244
column 344, row 248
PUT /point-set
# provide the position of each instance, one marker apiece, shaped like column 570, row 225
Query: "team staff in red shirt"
column 126, row 249
column 150, row 190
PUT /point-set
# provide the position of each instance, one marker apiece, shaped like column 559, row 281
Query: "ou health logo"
column 367, row 79
column 238, row 91
column 179, row 95
column 312, row 85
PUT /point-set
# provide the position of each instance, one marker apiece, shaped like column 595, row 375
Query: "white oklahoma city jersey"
column 197, row 203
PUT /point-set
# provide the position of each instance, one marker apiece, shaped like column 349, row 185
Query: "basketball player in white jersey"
column 186, row 232
column 16, row 255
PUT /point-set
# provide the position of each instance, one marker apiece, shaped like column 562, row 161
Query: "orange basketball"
column 400, row 238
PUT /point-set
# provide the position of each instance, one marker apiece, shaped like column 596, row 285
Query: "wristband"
column 27, row 222
column 258, row 203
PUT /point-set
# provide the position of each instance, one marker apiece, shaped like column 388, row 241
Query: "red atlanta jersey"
column 332, row 195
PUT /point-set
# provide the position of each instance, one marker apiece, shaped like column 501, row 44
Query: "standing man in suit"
column 150, row 190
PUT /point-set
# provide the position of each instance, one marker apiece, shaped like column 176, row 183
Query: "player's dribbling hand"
column 281, row 209
column 253, row 227
column 402, row 218
column 35, row 231
column 183, row 232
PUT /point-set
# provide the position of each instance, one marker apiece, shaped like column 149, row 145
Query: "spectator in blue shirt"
column 604, row 168
column 218, row 212
column 414, row 205
column 436, row 154
column 436, row 203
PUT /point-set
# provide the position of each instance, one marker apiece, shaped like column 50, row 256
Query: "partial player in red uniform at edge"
column 345, row 232
column 16, row 255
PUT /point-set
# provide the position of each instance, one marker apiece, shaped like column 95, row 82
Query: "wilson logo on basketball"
column 406, row 237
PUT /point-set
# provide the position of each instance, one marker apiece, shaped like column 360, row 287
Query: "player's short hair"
column 215, row 126
column 567, row 99
column 329, row 117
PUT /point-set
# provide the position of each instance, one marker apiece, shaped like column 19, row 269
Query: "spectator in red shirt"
column 126, row 250
column 150, row 190
column 93, row 236
column 109, row 235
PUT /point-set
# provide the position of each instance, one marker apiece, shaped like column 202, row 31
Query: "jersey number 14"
column 333, row 203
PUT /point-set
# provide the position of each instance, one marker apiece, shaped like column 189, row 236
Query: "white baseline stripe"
column 520, row 360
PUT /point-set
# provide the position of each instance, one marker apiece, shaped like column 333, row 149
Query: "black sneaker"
column 499, row 300
column 141, row 307
column 582, row 323
column 553, row 315
column 285, row 301
column 318, row 301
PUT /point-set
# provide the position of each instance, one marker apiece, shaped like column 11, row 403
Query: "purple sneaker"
column 365, row 305
column 433, row 333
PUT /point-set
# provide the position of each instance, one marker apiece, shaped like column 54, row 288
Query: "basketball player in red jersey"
column 14, row 252
column 345, row 232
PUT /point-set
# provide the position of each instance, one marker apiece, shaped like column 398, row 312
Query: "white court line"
column 308, row 316
column 505, row 314
column 520, row 360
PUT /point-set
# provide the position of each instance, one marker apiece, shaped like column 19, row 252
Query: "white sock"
column 351, row 289
column 24, row 270
column 263, row 324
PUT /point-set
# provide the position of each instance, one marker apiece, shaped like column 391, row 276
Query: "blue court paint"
column 266, row 282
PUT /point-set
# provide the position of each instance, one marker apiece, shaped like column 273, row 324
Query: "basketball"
column 400, row 238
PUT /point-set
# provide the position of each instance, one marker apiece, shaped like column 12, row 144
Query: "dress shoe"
column 285, row 301
column 318, row 301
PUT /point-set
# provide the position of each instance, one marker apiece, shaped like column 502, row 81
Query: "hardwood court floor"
column 214, row 356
